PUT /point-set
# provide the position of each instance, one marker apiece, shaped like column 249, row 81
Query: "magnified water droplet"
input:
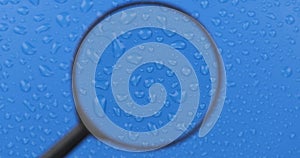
column 290, row 19
column 21, row 30
column 45, row 71
column 28, row 48
column 3, row 27
column 139, row 94
column 179, row 45
column 186, row 71
column 127, row 18
column 204, row 3
column 23, row 10
column 135, row 80
column 145, row 34
column 63, row 19
column 42, row 28
column 133, row 136
column 25, row 85
column 287, row 72
column 86, row 5
column 39, row 17
column 134, row 59
column 148, row 82
column 104, row 85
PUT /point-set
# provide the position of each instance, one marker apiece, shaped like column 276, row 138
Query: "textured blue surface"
column 259, row 43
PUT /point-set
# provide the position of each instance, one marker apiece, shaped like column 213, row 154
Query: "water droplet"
column 145, row 34
column 194, row 86
column 135, row 80
column 28, row 48
column 63, row 19
column 4, row 87
column 134, row 59
column 55, row 47
column 47, row 39
column 186, row 71
column 271, row 16
column 179, row 45
column 39, row 17
column 204, row 69
column 25, row 86
column 86, row 5
column 45, row 71
column 127, row 18
column 3, row 27
column 287, row 72
column 216, row 21
column 133, row 135
column 23, row 10
column 204, row 4
column 148, row 82
column 42, row 28
column 104, row 85
column 21, row 30
column 290, row 19
column 139, row 94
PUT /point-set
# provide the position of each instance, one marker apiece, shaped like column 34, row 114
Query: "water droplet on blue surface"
column 3, row 27
column 289, row 19
column 86, row 5
column 179, row 45
column 45, row 71
column 28, row 48
column 23, row 10
column 42, row 28
column 204, row 3
column 21, row 30
column 63, row 19
column 25, row 85
column 145, row 34
column 287, row 72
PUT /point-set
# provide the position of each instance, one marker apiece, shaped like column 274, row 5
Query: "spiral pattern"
column 138, row 77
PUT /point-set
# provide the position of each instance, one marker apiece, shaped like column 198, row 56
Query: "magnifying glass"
column 137, row 77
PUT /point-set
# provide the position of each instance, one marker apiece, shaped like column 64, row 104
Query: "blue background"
column 259, row 43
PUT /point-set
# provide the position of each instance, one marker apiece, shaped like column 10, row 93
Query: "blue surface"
column 259, row 43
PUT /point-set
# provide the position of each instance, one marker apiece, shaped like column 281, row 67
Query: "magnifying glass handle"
column 68, row 142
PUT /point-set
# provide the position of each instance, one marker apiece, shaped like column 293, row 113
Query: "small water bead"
column 63, row 19
column 179, row 45
column 23, row 10
column 145, row 34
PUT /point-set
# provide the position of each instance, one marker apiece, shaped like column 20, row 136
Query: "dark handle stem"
column 68, row 142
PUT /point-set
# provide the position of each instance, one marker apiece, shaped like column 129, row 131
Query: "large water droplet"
column 3, row 27
column 289, row 19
